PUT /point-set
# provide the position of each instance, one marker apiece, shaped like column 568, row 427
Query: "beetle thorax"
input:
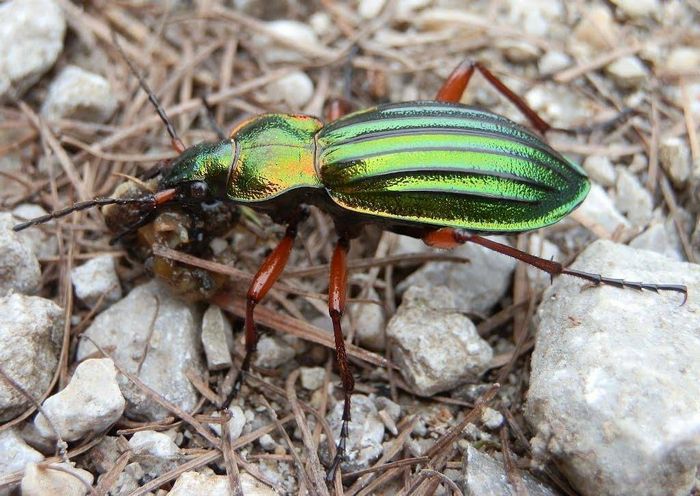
column 275, row 154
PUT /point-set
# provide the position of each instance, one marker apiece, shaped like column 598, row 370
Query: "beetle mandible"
column 436, row 170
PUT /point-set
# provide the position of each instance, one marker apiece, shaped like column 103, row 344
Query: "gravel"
column 19, row 267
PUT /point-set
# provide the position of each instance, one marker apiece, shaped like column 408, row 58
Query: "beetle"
column 436, row 170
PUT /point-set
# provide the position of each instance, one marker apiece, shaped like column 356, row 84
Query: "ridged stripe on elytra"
column 446, row 165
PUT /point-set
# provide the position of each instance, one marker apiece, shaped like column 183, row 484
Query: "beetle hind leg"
column 456, row 84
column 451, row 238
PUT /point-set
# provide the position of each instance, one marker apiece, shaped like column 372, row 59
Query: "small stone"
column 683, row 60
column 104, row 455
column 31, row 331
column 128, row 480
column 267, row 443
column 31, row 34
column 43, row 481
column 150, row 321
column 79, row 94
column 370, row 9
column 518, row 51
column 202, row 484
column 321, row 23
column 19, row 268
column 477, row 285
column 553, row 61
column 295, row 89
column 674, row 157
column 312, row 377
column 217, row 339
column 97, row 278
column 370, row 322
column 633, row 199
column 273, row 352
column 637, row 8
column 237, row 422
column 366, row 431
column 42, row 244
column 599, row 209
column 628, row 72
column 155, row 451
column 153, row 443
column 297, row 34
column 435, row 347
column 597, row 30
column 16, row 454
column 89, row 404
column 658, row 239
column 600, row 169
column 615, row 384
column 484, row 476
column 492, row 419
column 392, row 409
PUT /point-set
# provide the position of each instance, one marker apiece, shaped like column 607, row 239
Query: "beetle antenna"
column 175, row 140
column 84, row 205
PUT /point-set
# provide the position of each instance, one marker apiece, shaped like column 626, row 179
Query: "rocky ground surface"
column 474, row 375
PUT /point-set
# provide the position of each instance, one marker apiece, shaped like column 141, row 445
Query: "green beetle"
column 436, row 170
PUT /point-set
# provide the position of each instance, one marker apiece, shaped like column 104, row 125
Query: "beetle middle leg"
column 456, row 84
column 337, row 289
column 264, row 279
column 450, row 238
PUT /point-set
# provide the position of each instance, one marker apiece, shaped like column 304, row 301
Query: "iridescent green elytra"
column 424, row 163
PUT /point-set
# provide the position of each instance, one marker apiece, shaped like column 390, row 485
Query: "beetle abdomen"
column 445, row 164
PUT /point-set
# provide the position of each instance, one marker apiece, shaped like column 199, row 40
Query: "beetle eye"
column 198, row 190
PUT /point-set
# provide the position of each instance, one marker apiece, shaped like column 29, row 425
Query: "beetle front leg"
column 450, row 238
column 456, row 84
column 337, row 289
column 263, row 280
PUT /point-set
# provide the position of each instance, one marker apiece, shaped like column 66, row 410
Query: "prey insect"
column 436, row 170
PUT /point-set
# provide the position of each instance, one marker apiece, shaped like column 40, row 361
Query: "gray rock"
column 42, row 244
column 477, row 285
column 16, row 454
column 154, row 336
column 89, row 404
column 600, row 169
column 19, row 268
column 600, row 209
column 31, row 34
column 674, row 157
column 482, row 475
column 95, row 278
column 312, row 377
column 128, row 480
column 492, row 419
column 104, row 455
column 366, row 431
column 79, row 94
column 633, row 199
column 273, row 351
column 31, row 330
column 615, row 384
column 204, row 484
column 435, row 347
column 44, row 481
column 217, row 339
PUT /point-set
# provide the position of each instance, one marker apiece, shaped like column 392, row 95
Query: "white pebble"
column 217, row 338
column 683, row 59
column 369, row 9
column 19, row 268
column 492, row 419
column 153, row 443
column 296, row 35
column 600, row 169
column 554, row 61
column 295, row 89
column 90, row 403
column 44, row 481
column 203, row 484
column 79, row 94
column 637, row 8
column 95, row 278
column 15, row 452
column 628, row 72
column 674, row 157
column 312, row 377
